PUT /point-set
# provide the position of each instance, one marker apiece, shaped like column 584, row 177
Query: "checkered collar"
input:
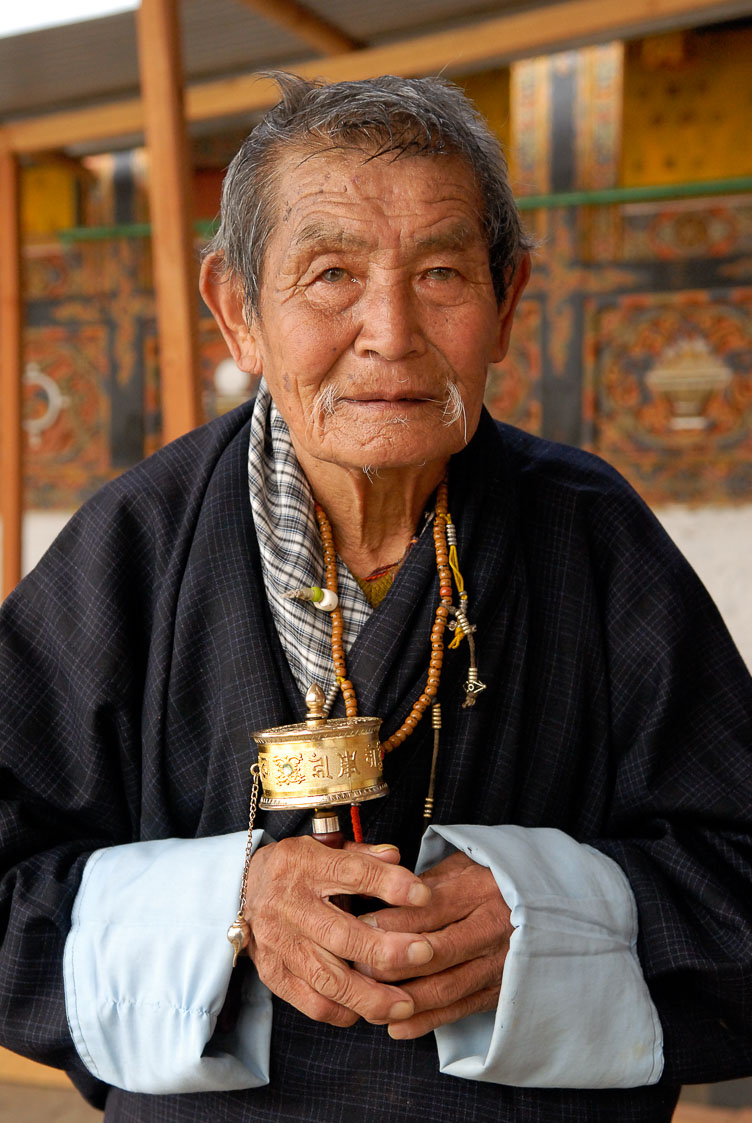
column 291, row 554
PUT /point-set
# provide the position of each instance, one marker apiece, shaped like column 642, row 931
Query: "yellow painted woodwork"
column 496, row 40
column 490, row 91
column 19, row 1070
column 688, row 107
column 49, row 199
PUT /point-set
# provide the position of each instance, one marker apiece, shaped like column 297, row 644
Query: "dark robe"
column 140, row 654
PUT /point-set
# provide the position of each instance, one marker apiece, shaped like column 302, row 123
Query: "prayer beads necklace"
column 447, row 565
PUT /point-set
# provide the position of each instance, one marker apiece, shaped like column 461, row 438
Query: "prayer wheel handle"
column 326, row 830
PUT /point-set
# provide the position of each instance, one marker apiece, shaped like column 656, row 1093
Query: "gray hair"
column 377, row 116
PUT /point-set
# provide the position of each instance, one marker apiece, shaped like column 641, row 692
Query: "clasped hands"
column 434, row 956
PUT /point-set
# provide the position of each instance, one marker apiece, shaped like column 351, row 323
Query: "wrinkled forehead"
column 321, row 163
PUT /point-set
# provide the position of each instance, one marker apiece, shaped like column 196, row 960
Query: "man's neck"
column 373, row 517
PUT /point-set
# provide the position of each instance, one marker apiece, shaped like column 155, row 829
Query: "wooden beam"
column 11, row 462
column 305, row 24
column 500, row 39
column 175, row 269
column 496, row 40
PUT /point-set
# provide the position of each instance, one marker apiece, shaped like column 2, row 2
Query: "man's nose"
column 389, row 322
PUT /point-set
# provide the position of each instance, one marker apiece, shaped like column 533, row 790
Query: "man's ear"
column 519, row 280
column 224, row 299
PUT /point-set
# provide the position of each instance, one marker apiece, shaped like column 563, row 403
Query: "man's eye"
column 334, row 275
column 442, row 273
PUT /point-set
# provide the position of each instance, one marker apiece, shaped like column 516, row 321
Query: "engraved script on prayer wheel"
column 320, row 763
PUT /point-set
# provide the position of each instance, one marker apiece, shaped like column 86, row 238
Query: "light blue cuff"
column 147, row 966
column 574, row 1009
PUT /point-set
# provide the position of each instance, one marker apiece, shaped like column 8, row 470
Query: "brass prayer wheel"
column 320, row 762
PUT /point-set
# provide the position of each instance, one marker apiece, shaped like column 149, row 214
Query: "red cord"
column 355, row 816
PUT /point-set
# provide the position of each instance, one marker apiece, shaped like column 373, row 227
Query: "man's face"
column 376, row 299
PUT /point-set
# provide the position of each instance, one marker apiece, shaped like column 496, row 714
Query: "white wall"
column 716, row 540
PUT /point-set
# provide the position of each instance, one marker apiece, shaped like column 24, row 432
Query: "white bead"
column 328, row 602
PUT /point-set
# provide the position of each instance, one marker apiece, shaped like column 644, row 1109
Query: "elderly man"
column 575, row 941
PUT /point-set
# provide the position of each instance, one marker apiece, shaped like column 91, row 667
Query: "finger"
column 420, row 1024
column 284, row 932
column 485, row 933
column 435, row 992
column 322, row 986
column 448, row 903
column 452, row 900
column 368, row 875
column 303, row 997
column 451, row 867
column 296, row 868
column 398, row 954
column 385, row 851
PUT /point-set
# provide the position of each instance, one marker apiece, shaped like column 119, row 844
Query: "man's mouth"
column 387, row 399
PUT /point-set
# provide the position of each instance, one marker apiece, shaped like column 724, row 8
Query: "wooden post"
column 11, row 491
column 170, row 194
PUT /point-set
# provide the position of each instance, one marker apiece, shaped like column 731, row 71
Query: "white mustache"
column 324, row 405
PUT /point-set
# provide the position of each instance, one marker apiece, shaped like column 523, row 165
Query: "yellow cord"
column 458, row 634
column 454, row 563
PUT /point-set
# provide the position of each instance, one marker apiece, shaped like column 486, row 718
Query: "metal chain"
column 249, row 842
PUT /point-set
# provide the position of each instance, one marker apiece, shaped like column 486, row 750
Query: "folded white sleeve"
column 147, row 965
column 574, row 1009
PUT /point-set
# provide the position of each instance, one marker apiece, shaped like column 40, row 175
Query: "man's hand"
column 467, row 922
column 301, row 943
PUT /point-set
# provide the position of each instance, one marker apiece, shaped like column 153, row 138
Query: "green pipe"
column 203, row 227
column 605, row 197
column 610, row 195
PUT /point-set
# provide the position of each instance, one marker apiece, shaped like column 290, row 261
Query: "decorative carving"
column 688, row 372
column 348, row 763
column 320, row 766
column 56, row 402
column 373, row 757
column 289, row 770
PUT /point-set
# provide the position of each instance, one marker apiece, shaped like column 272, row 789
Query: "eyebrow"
column 326, row 236
column 455, row 237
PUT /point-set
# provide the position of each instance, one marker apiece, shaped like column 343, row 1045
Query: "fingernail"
column 400, row 1011
column 419, row 952
column 419, row 894
column 383, row 847
column 370, row 920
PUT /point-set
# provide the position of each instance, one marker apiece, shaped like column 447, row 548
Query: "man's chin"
column 383, row 461
column 379, row 450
